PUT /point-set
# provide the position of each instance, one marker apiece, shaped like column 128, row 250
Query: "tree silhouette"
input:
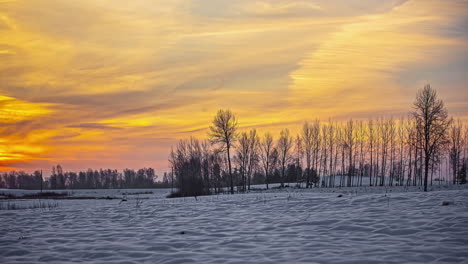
column 266, row 154
column 285, row 144
column 308, row 144
column 432, row 123
column 224, row 131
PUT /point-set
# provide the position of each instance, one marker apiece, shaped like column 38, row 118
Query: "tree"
column 224, row 131
column 350, row 138
column 299, row 150
column 401, row 141
column 464, row 159
column 325, row 138
column 188, row 169
column 384, row 132
column 285, row 143
column 253, row 154
column 308, row 145
column 455, row 136
column 432, row 123
column 316, row 139
column 392, row 136
column 331, row 145
column 242, row 157
column 266, row 151
column 371, row 141
column 361, row 136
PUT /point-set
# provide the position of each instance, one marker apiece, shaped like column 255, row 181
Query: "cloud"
column 283, row 8
column 93, row 126
column 358, row 67
column 95, row 85
column 13, row 110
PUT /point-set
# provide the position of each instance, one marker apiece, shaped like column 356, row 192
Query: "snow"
column 371, row 225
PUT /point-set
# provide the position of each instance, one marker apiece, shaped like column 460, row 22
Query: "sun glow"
column 115, row 84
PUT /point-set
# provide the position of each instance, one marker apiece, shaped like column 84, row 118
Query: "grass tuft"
column 11, row 205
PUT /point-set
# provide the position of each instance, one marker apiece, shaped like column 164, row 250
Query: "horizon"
column 117, row 84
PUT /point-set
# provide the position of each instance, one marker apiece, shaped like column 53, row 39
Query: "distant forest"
column 417, row 150
column 90, row 179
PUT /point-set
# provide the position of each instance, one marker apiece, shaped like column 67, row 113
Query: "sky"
column 114, row 83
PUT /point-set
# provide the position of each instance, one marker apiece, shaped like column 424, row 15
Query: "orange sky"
column 113, row 83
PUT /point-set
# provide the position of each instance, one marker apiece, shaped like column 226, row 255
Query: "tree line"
column 424, row 147
column 90, row 179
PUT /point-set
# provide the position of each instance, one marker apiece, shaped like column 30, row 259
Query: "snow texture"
column 348, row 225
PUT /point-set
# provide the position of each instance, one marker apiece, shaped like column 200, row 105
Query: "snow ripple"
column 297, row 227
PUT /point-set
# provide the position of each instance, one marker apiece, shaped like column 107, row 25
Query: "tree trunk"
column 426, row 172
column 230, row 170
column 42, row 180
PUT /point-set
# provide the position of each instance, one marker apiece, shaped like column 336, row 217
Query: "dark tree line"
column 21, row 180
column 425, row 147
column 90, row 179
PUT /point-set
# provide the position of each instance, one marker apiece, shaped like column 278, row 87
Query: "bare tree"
column 299, row 150
column 308, row 145
column 242, row 157
column 456, row 137
column 370, row 127
column 385, row 133
column 206, row 164
column 433, row 122
column 392, row 130
column 188, row 168
column 224, row 131
column 410, row 132
column 350, row 138
column 285, row 143
column 361, row 138
column 326, row 137
column 266, row 155
column 253, row 155
column 316, row 139
column 342, row 149
column 331, row 146
column 216, row 162
column 464, row 165
column 401, row 151
column 173, row 162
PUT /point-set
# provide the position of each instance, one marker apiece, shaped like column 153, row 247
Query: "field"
column 348, row 225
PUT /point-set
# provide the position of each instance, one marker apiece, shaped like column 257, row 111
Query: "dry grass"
column 14, row 205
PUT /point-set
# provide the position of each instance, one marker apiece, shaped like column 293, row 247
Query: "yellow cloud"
column 13, row 110
column 355, row 68
column 114, row 78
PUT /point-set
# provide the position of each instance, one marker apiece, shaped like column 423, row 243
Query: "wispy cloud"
column 115, row 83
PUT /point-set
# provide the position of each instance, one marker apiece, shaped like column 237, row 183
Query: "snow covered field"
column 349, row 225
